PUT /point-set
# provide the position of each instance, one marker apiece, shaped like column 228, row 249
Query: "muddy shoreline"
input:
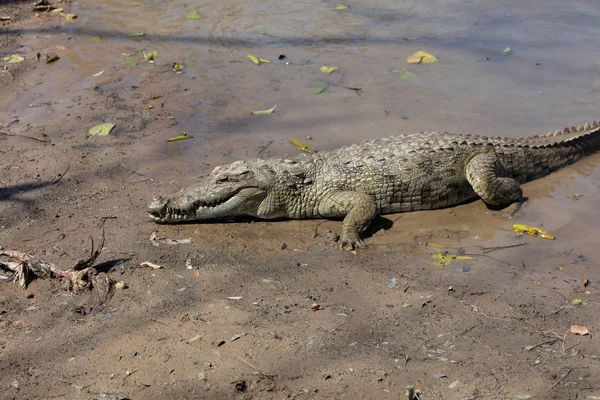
column 271, row 310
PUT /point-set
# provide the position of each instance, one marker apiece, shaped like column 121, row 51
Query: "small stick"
column 561, row 378
column 543, row 343
column 270, row 142
column 63, row 174
column 24, row 136
column 253, row 367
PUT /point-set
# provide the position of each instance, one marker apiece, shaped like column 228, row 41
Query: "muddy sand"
column 273, row 309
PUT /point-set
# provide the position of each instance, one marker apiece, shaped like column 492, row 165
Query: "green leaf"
column 506, row 51
column 129, row 63
column 150, row 54
column 321, row 90
column 137, row 34
column 97, row 39
column 262, row 112
column 194, row 15
column 102, row 129
column 13, row 59
column 404, row 74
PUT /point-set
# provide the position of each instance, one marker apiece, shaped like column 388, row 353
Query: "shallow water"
column 547, row 81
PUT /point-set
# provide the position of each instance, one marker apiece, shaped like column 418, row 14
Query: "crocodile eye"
column 222, row 179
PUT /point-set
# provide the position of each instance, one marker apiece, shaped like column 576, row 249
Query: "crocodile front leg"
column 483, row 174
column 358, row 210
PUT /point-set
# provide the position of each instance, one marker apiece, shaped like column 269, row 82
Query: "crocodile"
column 409, row 172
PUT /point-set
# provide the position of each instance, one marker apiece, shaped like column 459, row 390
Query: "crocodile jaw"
column 184, row 207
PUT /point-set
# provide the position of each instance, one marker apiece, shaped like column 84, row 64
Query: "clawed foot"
column 514, row 208
column 351, row 242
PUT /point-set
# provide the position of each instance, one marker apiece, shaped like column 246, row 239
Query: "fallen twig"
column 62, row 175
column 25, row 136
column 552, row 341
column 561, row 378
column 81, row 277
column 271, row 377
column 263, row 148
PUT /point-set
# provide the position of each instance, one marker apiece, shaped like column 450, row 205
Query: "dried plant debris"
column 79, row 278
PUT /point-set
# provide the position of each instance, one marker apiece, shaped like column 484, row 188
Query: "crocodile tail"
column 586, row 137
column 533, row 157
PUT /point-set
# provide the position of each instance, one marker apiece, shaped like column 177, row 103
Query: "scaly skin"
column 419, row 171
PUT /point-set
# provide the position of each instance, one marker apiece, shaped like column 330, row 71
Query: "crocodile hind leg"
column 358, row 210
column 483, row 173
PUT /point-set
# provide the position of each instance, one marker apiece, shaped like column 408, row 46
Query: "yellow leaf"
column 578, row 302
column 302, row 146
column 435, row 245
column 404, row 74
column 257, row 60
column 126, row 54
column 421, row 57
column 328, row 70
column 102, row 129
column 341, row 7
column 262, row 112
column 180, row 137
column 15, row 58
column 530, row 230
column 194, row 15
column 445, row 259
column 137, row 34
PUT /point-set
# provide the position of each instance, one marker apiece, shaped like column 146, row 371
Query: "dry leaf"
column 153, row 236
column 579, row 330
column 235, row 298
column 586, row 281
column 196, row 274
column 316, row 307
column 151, row 265
column 421, row 57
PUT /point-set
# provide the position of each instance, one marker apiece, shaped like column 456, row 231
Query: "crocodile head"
column 234, row 189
